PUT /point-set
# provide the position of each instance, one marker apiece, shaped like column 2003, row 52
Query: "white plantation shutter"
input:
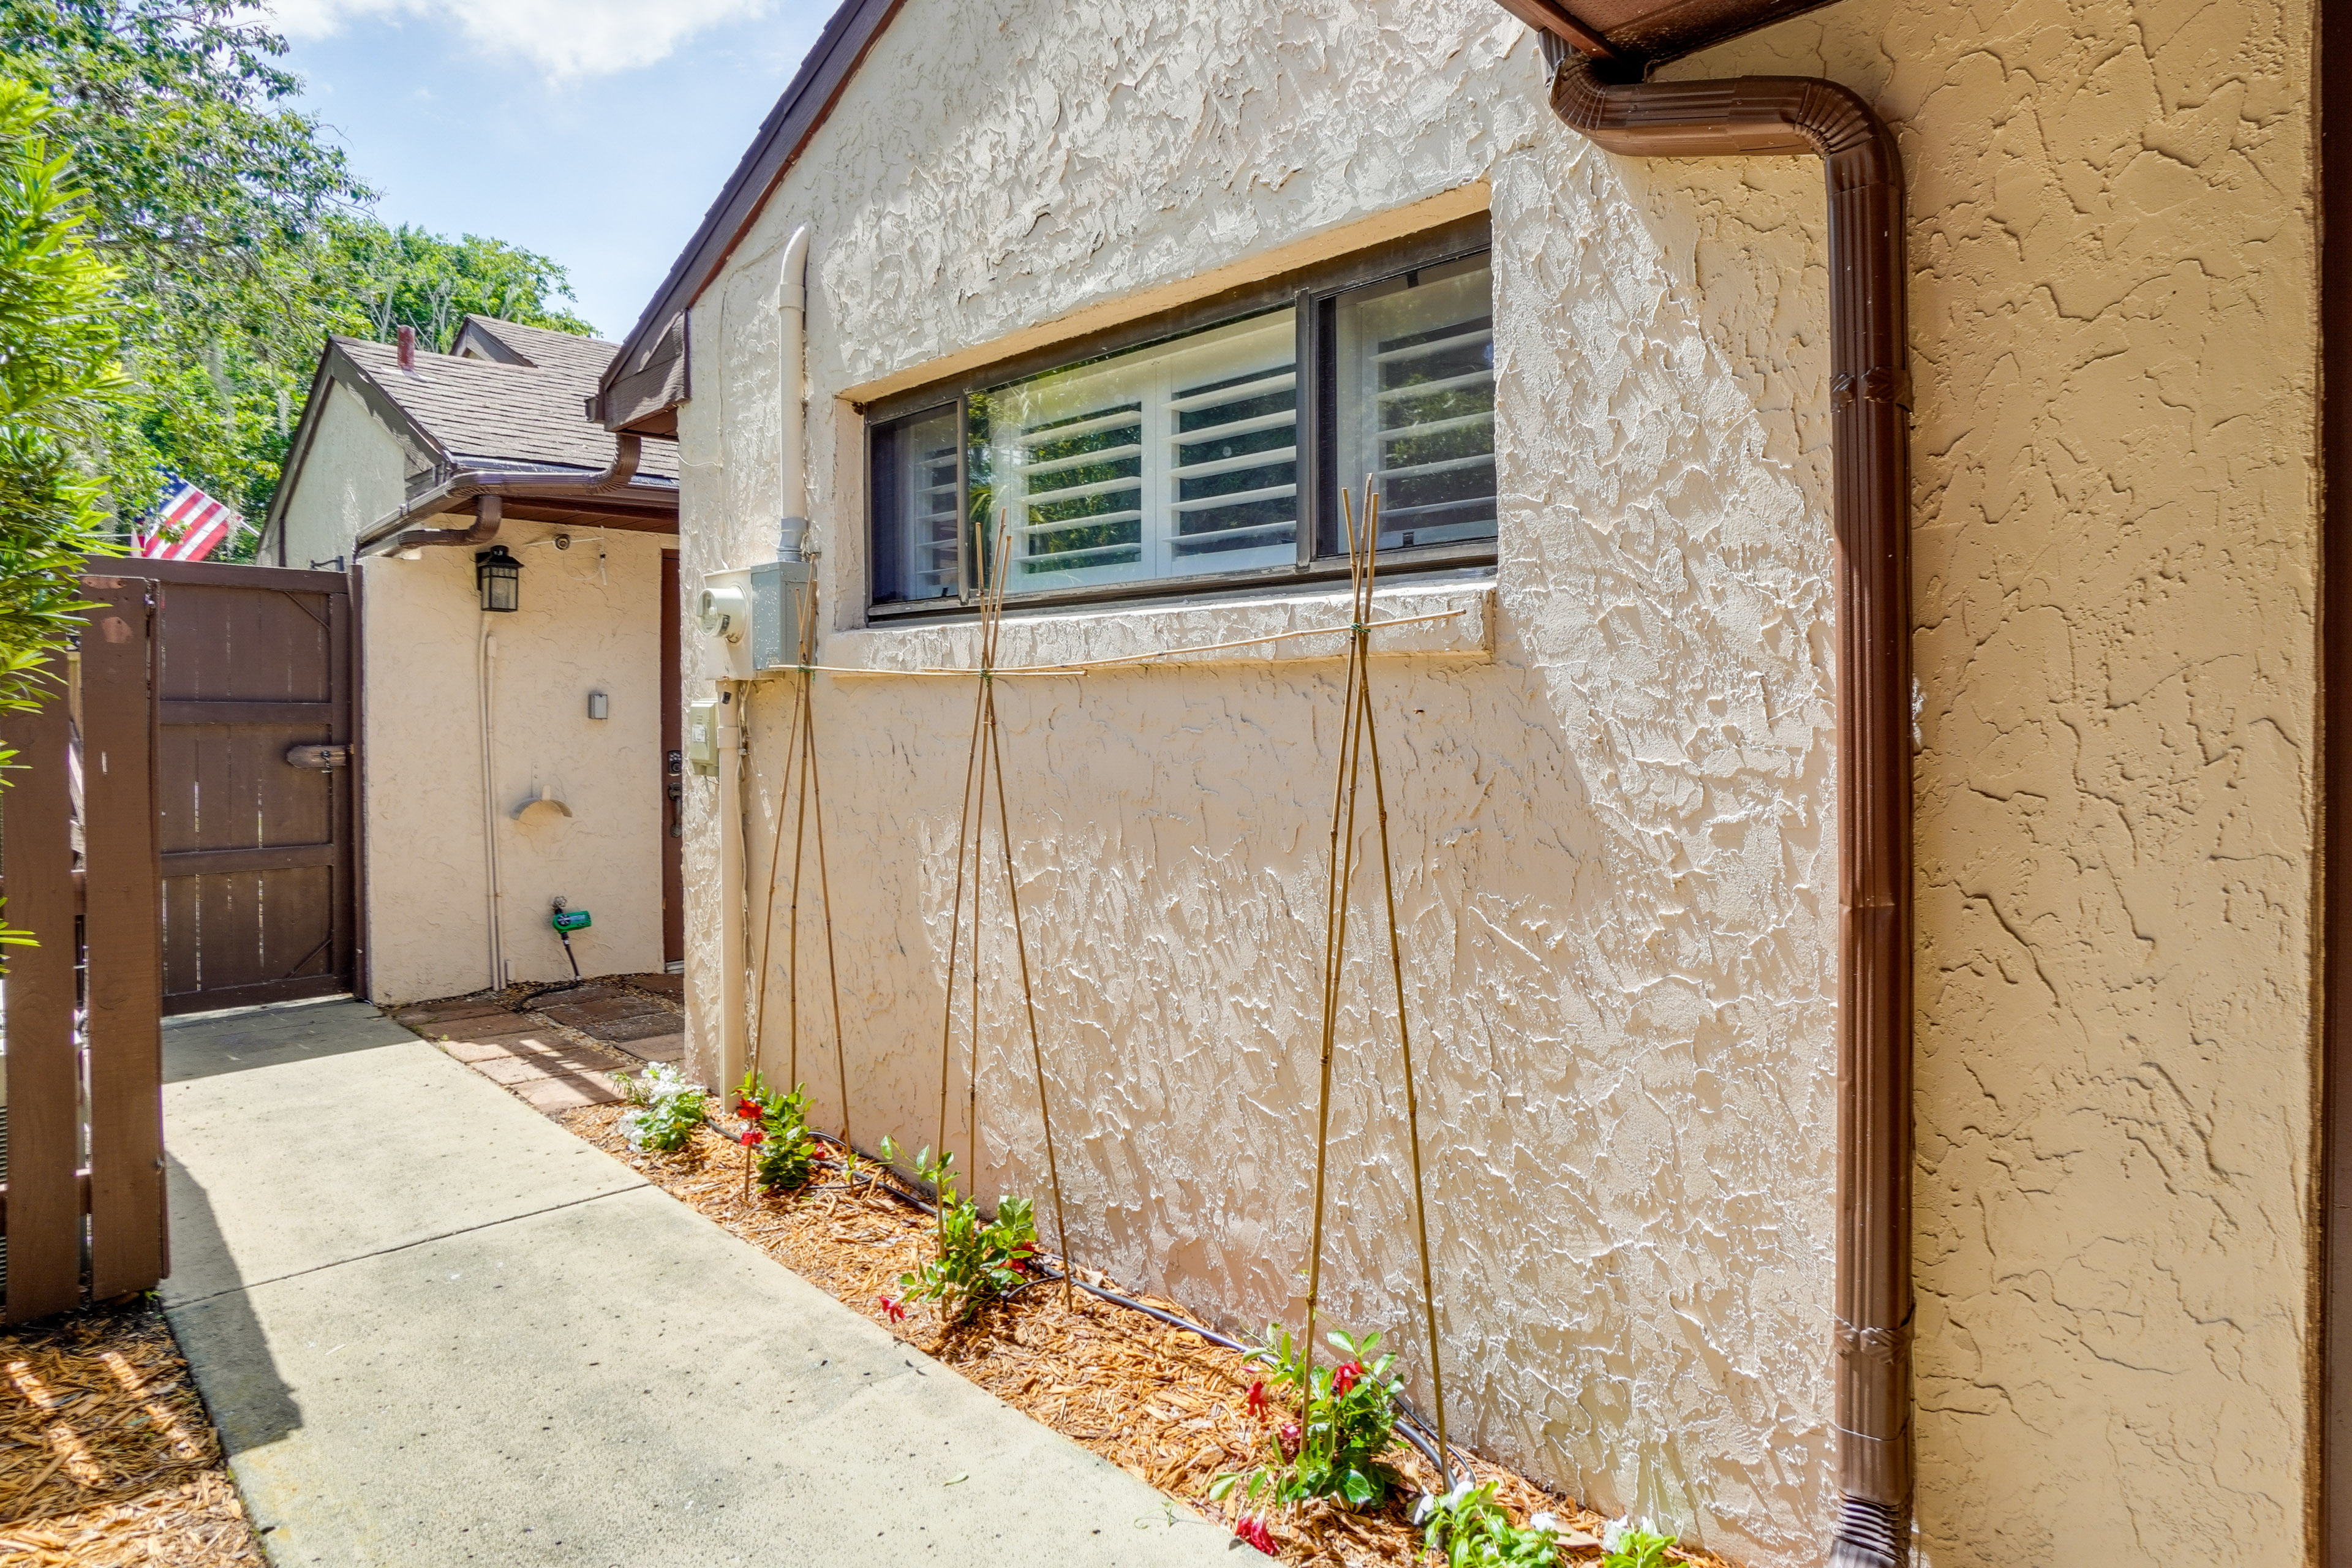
column 1417, row 405
column 1164, row 462
column 932, row 506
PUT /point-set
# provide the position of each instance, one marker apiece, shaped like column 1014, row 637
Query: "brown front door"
column 673, row 780
column 253, row 766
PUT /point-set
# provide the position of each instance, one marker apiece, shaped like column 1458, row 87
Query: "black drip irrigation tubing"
column 1410, row 1424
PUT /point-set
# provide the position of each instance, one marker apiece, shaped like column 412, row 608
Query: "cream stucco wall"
column 352, row 474
column 591, row 621
column 1614, row 814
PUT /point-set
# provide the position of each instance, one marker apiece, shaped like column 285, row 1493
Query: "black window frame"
column 1312, row 294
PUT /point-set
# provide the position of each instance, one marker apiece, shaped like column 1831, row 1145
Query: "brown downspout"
column 485, row 487
column 1870, row 394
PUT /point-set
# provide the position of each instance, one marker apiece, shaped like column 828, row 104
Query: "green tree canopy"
column 240, row 234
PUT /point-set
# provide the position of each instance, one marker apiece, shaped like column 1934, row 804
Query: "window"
column 1200, row 455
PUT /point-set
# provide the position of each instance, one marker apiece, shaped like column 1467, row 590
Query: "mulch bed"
column 1083, row 1366
column 106, row 1455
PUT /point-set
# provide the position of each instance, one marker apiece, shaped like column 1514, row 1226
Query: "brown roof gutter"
column 1870, row 394
column 486, row 488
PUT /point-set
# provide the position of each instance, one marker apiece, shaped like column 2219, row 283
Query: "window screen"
column 1414, row 378
column 916, row 479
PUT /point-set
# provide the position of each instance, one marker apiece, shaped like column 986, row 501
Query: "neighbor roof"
column 485, row 413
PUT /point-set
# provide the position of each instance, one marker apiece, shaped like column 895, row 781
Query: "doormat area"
column 106, row 1455
column 1162, row 1403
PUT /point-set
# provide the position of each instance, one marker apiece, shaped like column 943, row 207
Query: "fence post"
column 123, row 930
column 44, row 1094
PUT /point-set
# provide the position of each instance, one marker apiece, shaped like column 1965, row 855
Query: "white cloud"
column 563, row 38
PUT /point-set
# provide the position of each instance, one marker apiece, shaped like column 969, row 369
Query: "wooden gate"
column 84, row 1147
column 255, row 767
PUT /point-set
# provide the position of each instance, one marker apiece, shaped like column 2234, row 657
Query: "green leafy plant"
column 978, row 1260
column 1343, row 1420
column 1631, row 1542
column 783, row 1148
column 665, row 1108
column 1469, row 1528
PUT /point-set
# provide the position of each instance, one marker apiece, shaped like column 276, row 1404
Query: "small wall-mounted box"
column 702, row 737
column 600, row 705
column 750, row 620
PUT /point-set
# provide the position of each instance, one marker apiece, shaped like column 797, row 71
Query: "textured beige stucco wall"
column 587, row 623
column 1616, row 832
column 352, row 476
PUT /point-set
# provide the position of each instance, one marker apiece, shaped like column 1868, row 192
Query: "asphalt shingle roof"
column 485, row 413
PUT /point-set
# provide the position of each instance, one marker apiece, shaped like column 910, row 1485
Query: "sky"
column 593, row 132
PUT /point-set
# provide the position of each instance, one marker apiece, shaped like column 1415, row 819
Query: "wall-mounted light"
column 499, row 577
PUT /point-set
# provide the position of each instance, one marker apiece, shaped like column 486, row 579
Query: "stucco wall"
column 587, row 623
column 352, row 476
column 1615, row 827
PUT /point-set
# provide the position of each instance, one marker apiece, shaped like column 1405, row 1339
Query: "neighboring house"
column 504, row 759
column 1156, row 282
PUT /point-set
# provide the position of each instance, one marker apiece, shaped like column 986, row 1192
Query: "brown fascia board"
column 1640, row 34
column 646, row 381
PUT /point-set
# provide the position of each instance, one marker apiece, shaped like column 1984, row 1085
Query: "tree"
column 58, row 381
column 241, row 236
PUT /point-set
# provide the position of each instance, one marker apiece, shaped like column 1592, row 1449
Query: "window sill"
column 1185, row 633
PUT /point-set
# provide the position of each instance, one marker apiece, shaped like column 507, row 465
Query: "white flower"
column 1421, row 1510
column 1546, row 1523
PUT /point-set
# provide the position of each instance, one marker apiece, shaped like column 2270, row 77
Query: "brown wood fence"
column 81, row 1208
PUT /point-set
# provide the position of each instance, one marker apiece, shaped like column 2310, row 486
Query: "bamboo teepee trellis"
column 799, row 746
column 986, row 752
column 1360, row 734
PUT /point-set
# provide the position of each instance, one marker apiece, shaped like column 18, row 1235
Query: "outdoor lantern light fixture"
column 499, row 577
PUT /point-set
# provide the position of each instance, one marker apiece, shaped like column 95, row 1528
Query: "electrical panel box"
column 778, row 593
column 702, row 737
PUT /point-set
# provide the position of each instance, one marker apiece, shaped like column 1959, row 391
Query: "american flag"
column 189, row 526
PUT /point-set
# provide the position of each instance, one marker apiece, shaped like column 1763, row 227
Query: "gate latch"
column 324, row 757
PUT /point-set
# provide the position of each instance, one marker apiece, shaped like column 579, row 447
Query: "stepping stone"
column 580, row 1015
column 555, row 1096
column 671, row 1048
column 645, row 1026
column 555, row 1061
column 670, row 985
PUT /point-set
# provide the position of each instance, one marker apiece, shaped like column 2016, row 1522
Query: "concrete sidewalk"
column 435, row 1328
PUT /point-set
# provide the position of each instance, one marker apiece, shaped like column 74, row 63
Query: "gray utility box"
column 780, row 592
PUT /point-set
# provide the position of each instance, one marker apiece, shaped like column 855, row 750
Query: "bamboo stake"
column 824, row 891
column 955, row 930
column 1363, row 734
column 1029, row 1001
column 776, row 852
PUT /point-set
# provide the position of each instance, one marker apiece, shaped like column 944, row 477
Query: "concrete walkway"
column 435, row 1328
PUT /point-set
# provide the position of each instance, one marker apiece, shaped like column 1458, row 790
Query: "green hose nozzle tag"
column 570, row 920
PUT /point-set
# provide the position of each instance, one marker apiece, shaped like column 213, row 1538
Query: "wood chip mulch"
column 107, row 1458
column 1083, row 1366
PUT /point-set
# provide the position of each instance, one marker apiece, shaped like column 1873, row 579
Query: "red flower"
column 750, row 1109
column 1289, row 1438
column 1253, row 1530
column 1018, row 1263
column 1257, row 1400
column 891, row 1308
column 1344, row 1376
column 753, row 1138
